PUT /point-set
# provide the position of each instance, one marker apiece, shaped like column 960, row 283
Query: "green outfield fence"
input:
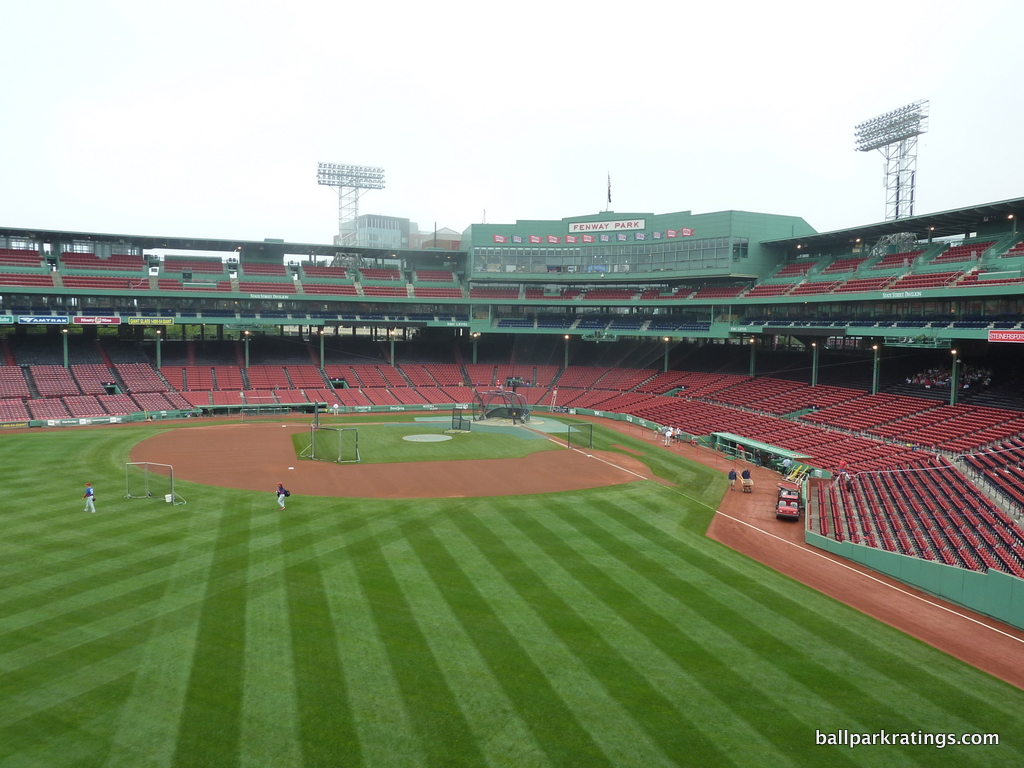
column 244, row 409
column 992, row 593
column 92, row 420
column 221, row 410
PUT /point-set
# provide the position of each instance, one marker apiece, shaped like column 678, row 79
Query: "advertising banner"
column 43, row 319
column 96, row 320
column 1015, row 337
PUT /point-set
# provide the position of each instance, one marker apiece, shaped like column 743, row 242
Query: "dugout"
column 772, row 456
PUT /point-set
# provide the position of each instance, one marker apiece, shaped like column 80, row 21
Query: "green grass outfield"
column 595, row 628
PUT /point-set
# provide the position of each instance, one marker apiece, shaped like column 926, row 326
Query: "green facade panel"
column 627, row 245
column 992, row 593
column 951, row 584
column 1000, row 594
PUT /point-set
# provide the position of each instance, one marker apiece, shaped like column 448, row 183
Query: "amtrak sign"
column 43, row 319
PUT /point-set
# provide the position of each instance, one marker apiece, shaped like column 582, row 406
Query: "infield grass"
column 386, row 443
column 592, row 628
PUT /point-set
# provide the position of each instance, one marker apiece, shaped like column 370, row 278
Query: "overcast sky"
column 208, row 118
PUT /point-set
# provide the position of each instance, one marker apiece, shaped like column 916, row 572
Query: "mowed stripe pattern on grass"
column 597, row 628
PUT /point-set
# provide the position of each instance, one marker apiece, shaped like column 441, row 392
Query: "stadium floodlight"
column 349, row 181
column 894, row 134
column 361, row 176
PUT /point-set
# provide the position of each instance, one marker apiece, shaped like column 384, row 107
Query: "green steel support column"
column 246, row 337
column 322, row 349
column 474, row 348
column 665, row 366
column 814, row 364
column 392, row 340
column 159, row 357
column 64, row 333
column 566, row 364
column 874, row 371
column 753, row 357
column 954, row 380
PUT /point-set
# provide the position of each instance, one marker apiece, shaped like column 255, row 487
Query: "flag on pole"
column 609, row 188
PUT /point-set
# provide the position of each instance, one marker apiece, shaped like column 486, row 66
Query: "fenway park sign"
column 606, row 226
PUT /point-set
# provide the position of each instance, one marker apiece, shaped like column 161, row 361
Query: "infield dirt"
column 257, row 457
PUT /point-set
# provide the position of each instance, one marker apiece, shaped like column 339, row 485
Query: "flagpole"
column 608, row 206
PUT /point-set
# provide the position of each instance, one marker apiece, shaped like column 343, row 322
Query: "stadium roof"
column 942, row 224
column 147, row 242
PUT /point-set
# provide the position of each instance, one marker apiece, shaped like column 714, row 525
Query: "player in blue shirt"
column 89, row 496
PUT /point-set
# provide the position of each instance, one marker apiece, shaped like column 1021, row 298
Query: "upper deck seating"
column 856, row 285
column 767, row 291
column 435, row 275
column 37, row 280
column 368, row 273
column 796, row 269
column 844, row 265
column 90, row 261
column 318, row 271
column 812, row 287
column 20, row 257
column 924, row 281
column 509, row 294
column 902, row 259
column 966, row 251
column 200, row 266
column 719, row 291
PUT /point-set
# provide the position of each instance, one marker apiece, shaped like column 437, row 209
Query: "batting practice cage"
column 145, row 480
column 337, row 444
column 502, row 404
column 579, row 436
column 460, row 421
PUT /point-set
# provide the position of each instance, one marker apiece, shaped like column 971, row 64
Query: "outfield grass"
column 385, row 443
column 593, row 628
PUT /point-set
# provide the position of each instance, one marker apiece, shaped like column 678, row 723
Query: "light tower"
column 348, row 181
column 894, row 134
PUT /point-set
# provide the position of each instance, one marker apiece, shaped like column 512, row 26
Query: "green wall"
column 992, row 593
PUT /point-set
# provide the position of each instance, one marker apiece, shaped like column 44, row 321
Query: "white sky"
column 208, row 118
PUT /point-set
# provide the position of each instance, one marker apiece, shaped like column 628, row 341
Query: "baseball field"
column 590, row 627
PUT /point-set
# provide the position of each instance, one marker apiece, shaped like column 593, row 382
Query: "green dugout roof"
column 758, row 445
